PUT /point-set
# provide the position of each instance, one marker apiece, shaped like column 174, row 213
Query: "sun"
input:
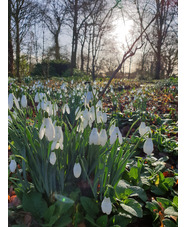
column 122, row 30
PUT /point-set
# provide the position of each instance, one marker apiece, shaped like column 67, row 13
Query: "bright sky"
column 122, row 30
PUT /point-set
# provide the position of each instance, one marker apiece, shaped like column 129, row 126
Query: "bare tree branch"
column 127, row 55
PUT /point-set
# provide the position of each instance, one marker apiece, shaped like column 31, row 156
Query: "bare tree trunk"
column 130, row 67
column 74, row 38
column 82, row 48
column 10, row 46
column 36, row 46
column 88, row 56
column 93, row 67
column 57, row 48
column 17, row 51
column 158, row 64
column 43, row 51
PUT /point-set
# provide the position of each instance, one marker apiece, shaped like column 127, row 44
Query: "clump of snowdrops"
column 59, row 153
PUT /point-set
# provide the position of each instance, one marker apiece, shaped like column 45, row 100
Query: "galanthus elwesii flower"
column 88, row 97
column 10, row 101
column 16, row 103
column 24, row 101
column 103, row 137
column 106, row 206
column 99, row 116
column 111, row 129
column 77, row 170
column 13, row 166
column 66, row 109
column 94, row 137
column 47, row 129
column 99, row 105
column 104, row 117
column 58, row 139
column 143, row 129
column 114, row 135
column 52, row 158
column 148, row 146
column 92, row 114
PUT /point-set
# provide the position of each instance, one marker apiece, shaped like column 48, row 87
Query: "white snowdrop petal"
column 52, row 158
column 13, row 166
column 77, row 170
column 148, row 146
column 106, row 206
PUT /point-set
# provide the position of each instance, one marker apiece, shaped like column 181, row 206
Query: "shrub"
column 51, row 68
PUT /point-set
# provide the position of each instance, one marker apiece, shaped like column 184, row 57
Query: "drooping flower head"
column 106, row 206
column 77, row 170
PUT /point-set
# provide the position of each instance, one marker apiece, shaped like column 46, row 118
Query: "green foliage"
column 51, row 68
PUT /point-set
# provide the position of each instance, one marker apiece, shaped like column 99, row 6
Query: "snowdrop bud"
column 13, row 166
column 52, row 158
column 148, row 146
column 103, row 137
column 104, row 117
column 106, row 206
column 24, row 101
column 94, row 137
column 77, row 170
column 10, row 101
column 142, row 129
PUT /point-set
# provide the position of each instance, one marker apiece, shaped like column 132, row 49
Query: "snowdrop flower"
column 106, row 206
column 47, row 129
column 16, row 103
column 111, row 129
column 94, row 137
column 148, row 146
column 88, row 98
column 77, row 170
column 92, row 114
column 10, row 101
column 63, row 87
column 66, row 108
column 24, row 101
column 142, row 128
column 116, row 134
column 99, row 104
column 103, row 137
column 104, row 117
column 99, row 117
column 58, row 139
column 52, row 158
column 13, row 166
